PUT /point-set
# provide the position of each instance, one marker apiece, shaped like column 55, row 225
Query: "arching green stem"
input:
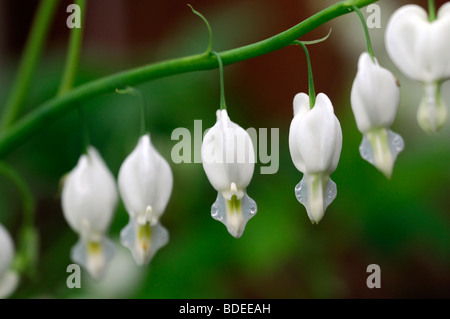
column 209, row 48
column 311, row 90
column 366, row 32
column 51, row 110
column 223, row 105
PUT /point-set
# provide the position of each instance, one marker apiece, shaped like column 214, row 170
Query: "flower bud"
column 228, row 160
column 89, row 198
column 375, row 97
column 145, row 185
column 315, row 143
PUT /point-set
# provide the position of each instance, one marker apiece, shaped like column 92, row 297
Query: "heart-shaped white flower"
column 228, row 160
column 374, row 98
column 315, row 143
column 89, row 199
column 145, row 184
column 420, row 49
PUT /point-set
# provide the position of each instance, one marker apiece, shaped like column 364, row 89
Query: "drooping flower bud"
column 228, row 160
column 89, row 199
column 8, row 278
column 375, row 97
column 315, row 143
column 145, row 184
column 419, row 48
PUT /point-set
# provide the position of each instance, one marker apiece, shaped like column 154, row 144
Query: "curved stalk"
column 28, row 62
column 56, row 107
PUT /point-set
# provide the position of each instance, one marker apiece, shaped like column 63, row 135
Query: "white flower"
column 89, row 198
column 8, row 278
column 228, row 160
column 315, row 143
column 420, row 49
column 375, row 97
column 145, row 185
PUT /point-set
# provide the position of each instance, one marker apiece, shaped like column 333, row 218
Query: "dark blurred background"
column 402, row 225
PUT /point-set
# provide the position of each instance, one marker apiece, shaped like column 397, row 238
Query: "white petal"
column 8, row 284
column 375, row 95
column 6, row 250
column 228, row 154
column 432, row 112
column 418, row 47
column 144, row 241
column 301, row 104
column 317, row 137
column 145, row 181
column 403, row 32
column 234, row 213
column 301, row 107
column 93, row 256
column 316, row 192
column 89, row 195
column 380, row 147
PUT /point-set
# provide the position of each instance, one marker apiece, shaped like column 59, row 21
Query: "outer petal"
column 8, row 284
column 419, row 47
column 318, row 137
column 8, row 279
column 438, row 45
column 404, row 35
column 144, row 240
column 145, row 181
column 89, row 196
column 375, row 95
column 228, row 154
column 6, row 250
column 301, row 107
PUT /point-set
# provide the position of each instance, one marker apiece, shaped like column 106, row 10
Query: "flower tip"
column 316, row 216
column 236, row 233
column 386, row 168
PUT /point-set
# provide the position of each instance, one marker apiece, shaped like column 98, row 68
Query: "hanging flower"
column 375, row 97
column 315, row 142
column 8, row 278
column 228, row 160
column 420, row 48
column 145, row 185
column 89, row 198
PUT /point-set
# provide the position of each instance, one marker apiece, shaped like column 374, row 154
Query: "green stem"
column 311, row 90
column 223, row 105
column 84, row 128
column 24, row 190
column 137, row 93
column 73, row 54
column 209, row 48
column 366, row 32
column 28, row 62
column 56, row 107
column 431, row 10
column 26, row 256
